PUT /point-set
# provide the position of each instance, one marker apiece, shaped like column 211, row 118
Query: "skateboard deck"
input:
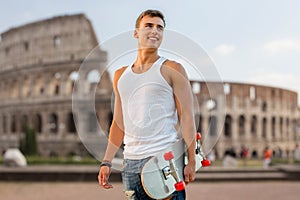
column 163, row 174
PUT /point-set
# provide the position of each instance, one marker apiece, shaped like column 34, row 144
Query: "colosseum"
column 40, row 62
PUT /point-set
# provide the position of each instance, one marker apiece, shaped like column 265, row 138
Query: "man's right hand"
column 103, row 177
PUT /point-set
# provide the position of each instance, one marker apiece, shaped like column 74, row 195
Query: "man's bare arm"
column 116, row 134
column 184, row 103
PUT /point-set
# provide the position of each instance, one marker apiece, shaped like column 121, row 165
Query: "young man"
column 151, row 96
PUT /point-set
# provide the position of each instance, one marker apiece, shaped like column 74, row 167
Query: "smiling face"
column 150, row 32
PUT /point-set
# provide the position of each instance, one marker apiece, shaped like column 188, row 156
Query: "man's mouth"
column 153, row 38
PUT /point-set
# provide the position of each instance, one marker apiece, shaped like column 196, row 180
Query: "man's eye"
column 160, row 28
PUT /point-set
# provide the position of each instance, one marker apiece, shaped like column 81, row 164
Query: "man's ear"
column 135, row 34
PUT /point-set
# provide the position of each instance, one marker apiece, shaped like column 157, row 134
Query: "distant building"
column 255, row 116
column 39, row 65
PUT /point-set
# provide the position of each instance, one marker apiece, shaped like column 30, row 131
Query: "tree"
column 28, row 144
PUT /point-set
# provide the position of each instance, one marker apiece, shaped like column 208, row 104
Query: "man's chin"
column 151, row 47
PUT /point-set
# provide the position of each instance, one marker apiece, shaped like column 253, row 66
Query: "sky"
column 249, row 41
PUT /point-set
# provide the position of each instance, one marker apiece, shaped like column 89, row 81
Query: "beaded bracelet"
column 106, row 163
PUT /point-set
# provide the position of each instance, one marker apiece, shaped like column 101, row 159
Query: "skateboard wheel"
column 169, row 155
column 198, row 136
column 205, row 163
column 179, row 186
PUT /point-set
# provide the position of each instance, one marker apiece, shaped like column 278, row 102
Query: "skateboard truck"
column 205, row 162
column 171, row 170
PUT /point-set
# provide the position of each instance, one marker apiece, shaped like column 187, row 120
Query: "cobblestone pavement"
column 204, row 191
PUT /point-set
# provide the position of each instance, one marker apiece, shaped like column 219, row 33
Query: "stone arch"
column 13, row 127
column 228, row 126
column 73, row 76
column 273, row 128
column 253, row 125
column 287, row 127
column 54, row 86
column 71, row 123
column 281, row 127
column 26, row 87
column 4, row 123
column 53, row 123
column 264, row 107
column 264, row 128
column 38, row 126
column 212, row 126
column 39, row 87
column 294, row 127
column 198, row 122
column 92, row 122
column 2, row 90
column 254, row 154
column 24, row 122
column 14, row 89
column 241, row 124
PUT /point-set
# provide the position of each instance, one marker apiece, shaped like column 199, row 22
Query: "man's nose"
column 154, row 30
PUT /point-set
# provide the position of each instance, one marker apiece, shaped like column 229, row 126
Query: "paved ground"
column 274, row 190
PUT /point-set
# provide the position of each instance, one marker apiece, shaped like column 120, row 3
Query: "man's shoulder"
column 118, row 74
column 121, row 70
column 173, row 65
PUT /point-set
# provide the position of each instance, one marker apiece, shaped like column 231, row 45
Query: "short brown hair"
column 151, row 13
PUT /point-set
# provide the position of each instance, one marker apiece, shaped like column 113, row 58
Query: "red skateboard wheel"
column 205, row 163
column 198, row 136
column 179, row 186
column 168, row 156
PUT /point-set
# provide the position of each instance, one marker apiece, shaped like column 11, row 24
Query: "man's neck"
column 146, row 57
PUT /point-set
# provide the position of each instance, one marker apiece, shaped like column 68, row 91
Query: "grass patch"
column 37, row 160
column 257, row 162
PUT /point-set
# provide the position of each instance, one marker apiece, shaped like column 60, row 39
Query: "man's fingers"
column 189, row 177
column 107, row 186
column 103, row 180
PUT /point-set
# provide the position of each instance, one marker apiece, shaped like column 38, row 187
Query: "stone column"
column 63, row 84
column 235, row 134
column 61, row 123
column 248, row 129
column 1, row 124
column 32, row 83
column 8, row 123
column 20, row 87
column 205, row 124
column 259, row 128
column 45, row 123
column 47, row 88
column 277, row 129
column 269, row 129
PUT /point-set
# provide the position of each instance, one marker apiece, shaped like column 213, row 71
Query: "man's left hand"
column 189, row 173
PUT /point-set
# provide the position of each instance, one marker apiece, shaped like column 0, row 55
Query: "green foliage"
column 28, row 144
column 37, row 160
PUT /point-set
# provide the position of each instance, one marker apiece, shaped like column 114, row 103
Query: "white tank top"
column 149, row 112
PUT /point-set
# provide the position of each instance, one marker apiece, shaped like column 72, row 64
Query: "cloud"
column 224, row 49
column 282, row 46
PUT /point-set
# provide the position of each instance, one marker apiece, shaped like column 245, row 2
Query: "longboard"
column 163, row 174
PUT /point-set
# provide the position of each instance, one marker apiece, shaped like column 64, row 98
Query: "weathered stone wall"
column 255, row 116
column 39, row 64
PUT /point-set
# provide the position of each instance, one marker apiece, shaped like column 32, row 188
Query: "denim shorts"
column 131, row 177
